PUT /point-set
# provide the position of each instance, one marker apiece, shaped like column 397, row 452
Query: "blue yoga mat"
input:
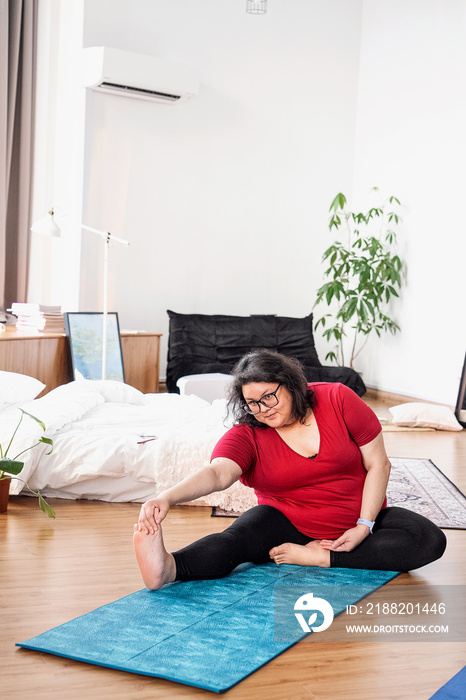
column 208, row 634
column 455, row 689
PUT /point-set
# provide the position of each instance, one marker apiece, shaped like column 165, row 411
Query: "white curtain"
column 17, row 61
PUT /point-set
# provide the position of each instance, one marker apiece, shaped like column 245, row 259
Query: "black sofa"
column 201, row 343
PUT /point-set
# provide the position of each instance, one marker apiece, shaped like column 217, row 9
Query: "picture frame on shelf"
column 460, row 410
column 84, row 332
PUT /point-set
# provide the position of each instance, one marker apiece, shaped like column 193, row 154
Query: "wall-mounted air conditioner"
column 135, row 75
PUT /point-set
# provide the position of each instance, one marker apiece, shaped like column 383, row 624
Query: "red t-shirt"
column 320, row 496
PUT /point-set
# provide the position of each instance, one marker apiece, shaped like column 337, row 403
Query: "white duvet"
column 113, row 443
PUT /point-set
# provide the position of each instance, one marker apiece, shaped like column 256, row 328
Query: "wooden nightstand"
column 45, row 356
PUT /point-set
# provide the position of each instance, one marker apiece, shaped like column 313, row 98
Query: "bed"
column 111, row 442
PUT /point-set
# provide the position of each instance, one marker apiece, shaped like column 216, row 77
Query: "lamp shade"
column 256, row 7
column 46, row 226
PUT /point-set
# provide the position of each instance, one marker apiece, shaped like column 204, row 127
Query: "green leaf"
column 338, row 202
column 322, row 321
column 360, row 219
column 44, row 506
column 335, row 221
column 348, row 309
column 393, row 291
column 333, row 248
column 42, row 425
column 334, row 332
column 371, row 308
column 47, row 441
column 11, row 466
column 362, row 313
column 395, row 277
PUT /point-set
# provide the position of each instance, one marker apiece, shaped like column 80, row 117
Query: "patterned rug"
column 420, row 486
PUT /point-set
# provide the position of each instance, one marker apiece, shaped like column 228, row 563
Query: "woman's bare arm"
column 219, row 475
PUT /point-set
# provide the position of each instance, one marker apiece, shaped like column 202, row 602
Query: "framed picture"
column 460, row 411
column 85, row 333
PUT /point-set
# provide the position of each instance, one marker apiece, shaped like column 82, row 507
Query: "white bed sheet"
column 97, row 428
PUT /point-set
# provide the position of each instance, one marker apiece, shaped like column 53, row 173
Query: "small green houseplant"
column 363, row 276
column 11, row 467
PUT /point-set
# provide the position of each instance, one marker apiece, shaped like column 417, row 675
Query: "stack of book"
column 53, row 319
column 28, row 315
column 38, row 317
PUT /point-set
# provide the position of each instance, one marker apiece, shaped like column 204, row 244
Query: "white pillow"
column 424, row 415
column 18, row 388
column 115, row 392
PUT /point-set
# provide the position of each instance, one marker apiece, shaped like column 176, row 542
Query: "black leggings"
column 401, row 541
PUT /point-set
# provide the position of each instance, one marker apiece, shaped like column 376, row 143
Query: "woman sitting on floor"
column 315, row 456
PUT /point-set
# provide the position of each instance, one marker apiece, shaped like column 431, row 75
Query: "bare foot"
column 157, row 566
column 311, row 554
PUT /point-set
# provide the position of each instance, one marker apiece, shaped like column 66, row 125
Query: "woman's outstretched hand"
column 348, row 540
column 151, row 515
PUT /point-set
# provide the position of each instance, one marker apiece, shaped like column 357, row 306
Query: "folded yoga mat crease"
column 208, row 634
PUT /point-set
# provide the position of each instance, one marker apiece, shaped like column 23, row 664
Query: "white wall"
column 224, row 198
column 232, row 189
column 411, row 143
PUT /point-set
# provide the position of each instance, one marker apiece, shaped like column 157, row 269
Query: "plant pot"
column 4, row 494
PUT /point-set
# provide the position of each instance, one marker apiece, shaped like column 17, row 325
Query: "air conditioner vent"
column 138, row 91
column 135, row 75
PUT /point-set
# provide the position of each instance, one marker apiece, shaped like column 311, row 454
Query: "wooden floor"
column 52, row 571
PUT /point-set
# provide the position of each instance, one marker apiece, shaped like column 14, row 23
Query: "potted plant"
column 364, row 274
column 11, row 467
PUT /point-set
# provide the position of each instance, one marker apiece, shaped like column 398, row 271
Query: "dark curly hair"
column 269, row 367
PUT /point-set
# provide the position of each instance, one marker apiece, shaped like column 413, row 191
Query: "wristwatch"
column 370, row 523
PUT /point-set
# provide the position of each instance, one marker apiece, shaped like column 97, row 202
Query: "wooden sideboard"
column 46, row 357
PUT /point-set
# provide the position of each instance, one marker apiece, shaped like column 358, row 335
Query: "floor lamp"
column 48, row 226
column 108, row 238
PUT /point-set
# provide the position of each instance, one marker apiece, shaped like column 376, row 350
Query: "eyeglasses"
column 268, row 400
